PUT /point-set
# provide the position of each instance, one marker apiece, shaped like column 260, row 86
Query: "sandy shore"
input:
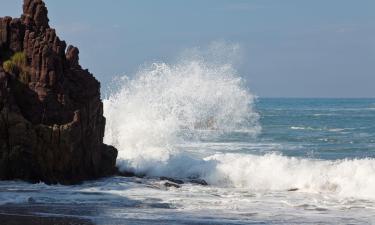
column 33, row 215
column 39, row 220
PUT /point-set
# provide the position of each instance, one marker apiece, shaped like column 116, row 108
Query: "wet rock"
column 51, row 114
column 293, row 189
column 126, row 174
column 160, row 205
column 170, row 184
column 172, row 180
column 198, row 181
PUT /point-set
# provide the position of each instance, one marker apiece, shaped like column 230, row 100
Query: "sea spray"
column 158, row 119
column 164, row 104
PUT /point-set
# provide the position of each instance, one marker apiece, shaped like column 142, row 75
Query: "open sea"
column 265, row 160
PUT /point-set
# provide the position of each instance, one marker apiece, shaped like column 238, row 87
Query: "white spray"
column 164, row 106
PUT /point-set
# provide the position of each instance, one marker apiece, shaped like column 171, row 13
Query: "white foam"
column 344, row 178
column 297, row 128
column 272, row 172
column 164, row 105
column 336, row 129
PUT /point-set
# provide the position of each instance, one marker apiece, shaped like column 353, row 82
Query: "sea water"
column 266, row 160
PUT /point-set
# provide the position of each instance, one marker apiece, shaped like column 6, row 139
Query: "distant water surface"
column 304, row 161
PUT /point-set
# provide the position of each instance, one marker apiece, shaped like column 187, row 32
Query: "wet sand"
column 39, row 220
column 34, row 215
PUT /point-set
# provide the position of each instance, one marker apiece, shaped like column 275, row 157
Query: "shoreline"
column 29, row 214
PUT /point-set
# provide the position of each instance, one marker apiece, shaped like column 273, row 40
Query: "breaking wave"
column 344, row 178
column 166, row 106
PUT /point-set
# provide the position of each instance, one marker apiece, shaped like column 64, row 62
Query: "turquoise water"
column 319, row 128
column 301, row 161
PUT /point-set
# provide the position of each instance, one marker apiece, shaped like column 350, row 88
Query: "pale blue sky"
column 290, row 48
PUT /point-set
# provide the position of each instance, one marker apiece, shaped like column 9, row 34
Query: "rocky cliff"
column 51, row 114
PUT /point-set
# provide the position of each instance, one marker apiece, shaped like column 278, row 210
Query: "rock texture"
column 51, row 115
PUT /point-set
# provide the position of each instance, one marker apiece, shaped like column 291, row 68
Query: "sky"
column 289, row 48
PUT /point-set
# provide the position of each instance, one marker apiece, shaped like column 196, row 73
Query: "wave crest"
column 164, row 105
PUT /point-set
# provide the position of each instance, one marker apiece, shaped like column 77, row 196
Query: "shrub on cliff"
column 17, row 64
column 19, row 59
column 8, row 66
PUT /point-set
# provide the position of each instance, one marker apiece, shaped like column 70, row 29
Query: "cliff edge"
column 51, row 114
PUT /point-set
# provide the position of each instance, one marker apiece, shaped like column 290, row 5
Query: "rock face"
column 51, row 115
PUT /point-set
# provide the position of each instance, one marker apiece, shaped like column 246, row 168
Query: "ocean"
column 265, row 160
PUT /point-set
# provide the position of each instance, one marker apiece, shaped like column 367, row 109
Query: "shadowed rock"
column 176, row 181
column 51, row 114
column 170, row 184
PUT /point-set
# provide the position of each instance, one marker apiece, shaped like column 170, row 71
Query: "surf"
column 155, row 116
column 164, row 105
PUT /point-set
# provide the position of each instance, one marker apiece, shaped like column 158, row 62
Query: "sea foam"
column 344, row 178
column 166, row 106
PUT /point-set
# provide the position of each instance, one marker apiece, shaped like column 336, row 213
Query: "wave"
column 344, row 178
column 164, row 104
column 301, row 128
column 320, row 129
column 353, row 178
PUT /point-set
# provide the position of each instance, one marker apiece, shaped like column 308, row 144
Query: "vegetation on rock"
column 17, row 64
column 8, row 66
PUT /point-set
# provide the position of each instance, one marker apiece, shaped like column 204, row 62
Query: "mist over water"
column 166, row 105
column 173, row 119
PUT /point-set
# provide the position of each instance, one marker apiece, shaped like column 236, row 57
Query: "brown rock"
column 35, row 14
column 51, row 115
column 72, row 56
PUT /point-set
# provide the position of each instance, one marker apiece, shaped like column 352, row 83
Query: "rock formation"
column 51, row 114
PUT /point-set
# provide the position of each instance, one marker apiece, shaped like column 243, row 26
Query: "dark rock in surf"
column 176, row 181
column 293, row 189
column 198, row 181
column 126, row 174
column 51, row 114
column 171, row 184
